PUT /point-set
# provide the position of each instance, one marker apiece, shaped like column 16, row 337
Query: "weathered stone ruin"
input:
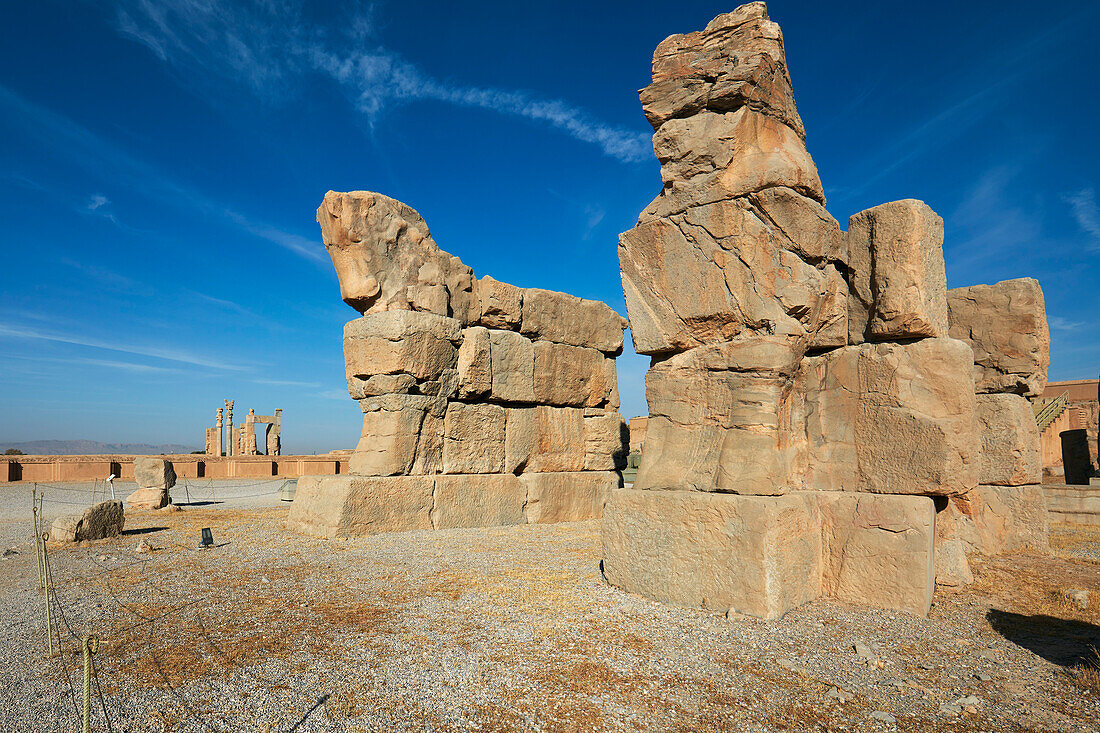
column 242, row 441
column 97, row 522
column 810, row 400
column 1006, row 327
column 154, row 477
column 483, row 403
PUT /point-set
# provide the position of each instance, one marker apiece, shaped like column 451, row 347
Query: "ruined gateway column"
column 483, row 403
column 806, row 401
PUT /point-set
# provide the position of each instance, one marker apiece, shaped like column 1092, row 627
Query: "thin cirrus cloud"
column 266, row 46
column 1086, row 213
column 155, row 352
column 61, row 135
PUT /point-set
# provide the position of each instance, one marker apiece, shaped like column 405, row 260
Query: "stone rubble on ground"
column 97, row 522
column 154, row 477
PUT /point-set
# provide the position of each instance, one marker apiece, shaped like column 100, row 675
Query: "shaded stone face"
column 1006, row 325
column 151, row 472
column 1010, row 441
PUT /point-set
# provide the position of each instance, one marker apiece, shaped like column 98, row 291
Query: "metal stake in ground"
column 49, row 617
column 89, row 645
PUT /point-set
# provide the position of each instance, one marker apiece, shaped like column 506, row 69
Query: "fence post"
column 37, row 537
column 89, row 645
column 49, row 612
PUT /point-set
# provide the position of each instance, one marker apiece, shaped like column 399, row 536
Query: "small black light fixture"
column 207, row 538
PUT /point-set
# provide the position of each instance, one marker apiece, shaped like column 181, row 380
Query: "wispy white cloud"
column 286, row 383
column 996, row 226
column 156, row 352
column 102, row 158
column 266, row 46
column 97, row 201
column 1086, row 212
column 1062, row 324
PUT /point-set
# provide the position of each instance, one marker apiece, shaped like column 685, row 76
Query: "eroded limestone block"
column 151, row 472
column 991, row 520
column 755, row 555
column 897, row 275
column 1010, row 441
column 501, row 304
column 400, row 342
column 606, row 440
column 878, row 550
column 474, row 364
column 567, row 497
column 712, row 156
column 570, row 375
column 149, row 499
column 97, row 522
column 566, row 319
column 473, row 438
column 354, row 506
column 891, row 419
column 512, row 366
column 736, row 61
column 1006, row 326
column 544, row 438
column 402, row 434
column 713, row 427
column 719, row 272
column 952, row 567
column 386, row 259
column 361, row 388
column 478, row 500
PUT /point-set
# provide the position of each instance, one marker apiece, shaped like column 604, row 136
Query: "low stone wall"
column 44, row 469
column 1073, row 503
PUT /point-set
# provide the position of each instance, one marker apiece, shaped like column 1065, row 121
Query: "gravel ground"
column 506, row 629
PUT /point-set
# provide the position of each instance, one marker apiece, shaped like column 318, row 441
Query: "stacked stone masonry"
column 483, row 403
column 812, row 394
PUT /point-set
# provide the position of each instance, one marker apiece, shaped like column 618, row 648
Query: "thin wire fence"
column 73, row 602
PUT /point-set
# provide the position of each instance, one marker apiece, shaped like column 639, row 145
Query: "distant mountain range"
column 92, row 447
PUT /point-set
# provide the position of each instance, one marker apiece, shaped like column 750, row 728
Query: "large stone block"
column 402, row 434
column 400, row 342
column 606, row 440
column 1010, row 441
column 567, row 497
column 878, row 550
column 891, row 419
column 501, row 304
column 473, row 438
column 151, row 472
column 720, row 272
column 736, row 61
column 478, row 500
column 354, row 506
column 570, row 376
column 386, row 259
column 1006, row 326
column 713, row 427
column 149, row 499
column 897, row 275
column 474, row 364
column 97, row 522
column 566, row 319
column 544, row 438
column 512, row 359
column 991, row 520
column 754, row 555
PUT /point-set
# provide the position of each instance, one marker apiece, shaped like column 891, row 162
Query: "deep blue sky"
column 161, row 164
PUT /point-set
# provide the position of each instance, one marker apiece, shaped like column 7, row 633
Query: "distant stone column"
column 230, row 437
column 218, row 444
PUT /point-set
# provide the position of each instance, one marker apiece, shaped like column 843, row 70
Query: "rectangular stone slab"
column 478, row 500
column 352, row 506
column 755, row 555
column 877, row 550
column 572, row 496
column 1010, row 441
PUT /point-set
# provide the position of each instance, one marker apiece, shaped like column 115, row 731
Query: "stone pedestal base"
column 350, row 506
column 762, row 555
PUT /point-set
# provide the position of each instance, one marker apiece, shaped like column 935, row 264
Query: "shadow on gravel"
column 142, row 530
column 1060, row 641
column 196, row 503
